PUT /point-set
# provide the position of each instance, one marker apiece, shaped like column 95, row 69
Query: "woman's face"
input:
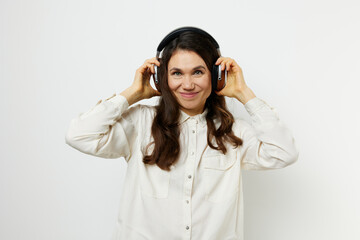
column 190, row 81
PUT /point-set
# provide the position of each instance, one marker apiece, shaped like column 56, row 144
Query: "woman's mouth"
column 188, row 95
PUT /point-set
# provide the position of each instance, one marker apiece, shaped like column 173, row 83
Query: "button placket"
column 189, row 170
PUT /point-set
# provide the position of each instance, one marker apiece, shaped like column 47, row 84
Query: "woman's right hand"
column 141, row 88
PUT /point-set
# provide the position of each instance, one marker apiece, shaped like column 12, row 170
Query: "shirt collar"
column 199, row 118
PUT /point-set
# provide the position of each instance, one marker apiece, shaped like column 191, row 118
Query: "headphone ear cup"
column 156, row 78
column 214, row 77
column 217, row 78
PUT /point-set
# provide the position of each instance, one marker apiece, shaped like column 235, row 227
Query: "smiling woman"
column 184, row 155
column 189, row 80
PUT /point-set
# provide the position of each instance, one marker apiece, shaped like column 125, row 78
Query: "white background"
column 58, row 58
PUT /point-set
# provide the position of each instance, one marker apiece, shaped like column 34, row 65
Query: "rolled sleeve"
column 267, row 142
column 106, row 130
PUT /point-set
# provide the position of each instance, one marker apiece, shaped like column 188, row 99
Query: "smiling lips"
column 189, row 95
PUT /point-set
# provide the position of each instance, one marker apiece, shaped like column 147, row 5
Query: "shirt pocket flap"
column 220, row 161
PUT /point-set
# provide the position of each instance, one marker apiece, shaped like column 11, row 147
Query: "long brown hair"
column 165, row 127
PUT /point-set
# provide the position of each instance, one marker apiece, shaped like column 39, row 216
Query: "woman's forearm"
column 131, row 95
column 245, row 95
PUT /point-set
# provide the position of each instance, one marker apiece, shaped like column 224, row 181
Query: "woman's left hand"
column 235, row 86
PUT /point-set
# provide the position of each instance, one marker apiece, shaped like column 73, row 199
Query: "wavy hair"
column 165, row 127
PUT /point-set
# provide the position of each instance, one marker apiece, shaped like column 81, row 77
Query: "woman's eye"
column 198, row 72
column 177, row 73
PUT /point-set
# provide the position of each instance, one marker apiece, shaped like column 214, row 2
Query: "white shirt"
column 201, row 197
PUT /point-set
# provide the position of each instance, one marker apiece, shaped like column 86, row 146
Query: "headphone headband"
column 175, row 33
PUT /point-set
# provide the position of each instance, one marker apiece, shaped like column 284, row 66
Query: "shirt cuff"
column 253, row 105
column 119, row 100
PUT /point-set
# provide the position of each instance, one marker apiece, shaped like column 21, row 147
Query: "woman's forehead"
column 185, row 59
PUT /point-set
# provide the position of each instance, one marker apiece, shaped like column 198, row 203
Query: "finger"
column 153, row 68
column 148, row 71
column 224, row 61
column 157, row 93
column 223, row 65
column 157, row 62
column 153, row 61
column 219, row 60
column 220, row 93
column 145, row 68
column 142, row 69
column 228, row 66
column 150, row 67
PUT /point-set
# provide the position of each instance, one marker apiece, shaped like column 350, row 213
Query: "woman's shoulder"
column 143, row 108
column 140, row 111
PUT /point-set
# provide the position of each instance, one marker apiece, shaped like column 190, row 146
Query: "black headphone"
column 217, row 82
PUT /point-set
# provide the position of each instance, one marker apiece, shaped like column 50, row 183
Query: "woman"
column 184, row 155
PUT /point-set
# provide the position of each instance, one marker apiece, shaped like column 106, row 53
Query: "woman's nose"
column 188, row 82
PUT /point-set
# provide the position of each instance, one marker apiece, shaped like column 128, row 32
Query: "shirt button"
column 192, row 153
column 189, row 176
column 193, row 131
column 187, row 201
column 187, row 227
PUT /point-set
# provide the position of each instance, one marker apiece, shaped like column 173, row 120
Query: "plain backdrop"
column 59, row 58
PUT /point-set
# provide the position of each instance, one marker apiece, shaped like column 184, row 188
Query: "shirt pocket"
column 154, row 182
column 221, row 176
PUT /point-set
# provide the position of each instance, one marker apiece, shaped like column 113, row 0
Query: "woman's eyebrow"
column 198, row 67
column 195, row 68
column 176, row 69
